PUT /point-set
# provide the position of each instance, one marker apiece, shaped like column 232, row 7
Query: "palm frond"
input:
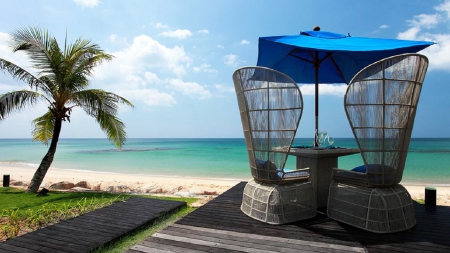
column 81, row 58
column 43, row 127
column 17, row 100
column 95, row 100
column 19, row 73
column 113, row 127
column 37, row 44
column 103, row 106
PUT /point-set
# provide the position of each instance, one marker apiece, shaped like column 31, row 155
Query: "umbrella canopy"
column 326, row 57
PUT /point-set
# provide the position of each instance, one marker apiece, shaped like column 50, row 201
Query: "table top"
column 322, row 152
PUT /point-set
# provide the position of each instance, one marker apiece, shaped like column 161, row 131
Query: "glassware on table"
column 330, row 141
column 320, row 138
column 324, row 134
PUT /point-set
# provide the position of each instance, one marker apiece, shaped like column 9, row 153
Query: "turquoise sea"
column 428, row 160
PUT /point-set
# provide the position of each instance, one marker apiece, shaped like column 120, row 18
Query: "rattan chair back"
column 381, row 104
column 270, row 105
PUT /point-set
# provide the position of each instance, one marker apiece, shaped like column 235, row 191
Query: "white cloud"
column 115, row 39
column 231, row 60
column 384, row 26
column 444, row 7
column 223, row 89
column 189, row 88
column 151, row 78
column 87, row 3
column 179, row 34
column 420, row 26
column 161, row 26
column 144, row 54
column 220, row 46
column 324, row 89
column 136, row 71
column 425, row 20
column 204, row 68
column 244, row 42
column 151, row 97
column 204, row 31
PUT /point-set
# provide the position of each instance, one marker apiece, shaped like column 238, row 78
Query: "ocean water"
column 428, row 160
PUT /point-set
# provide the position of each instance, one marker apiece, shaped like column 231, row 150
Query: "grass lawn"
column 22, row 212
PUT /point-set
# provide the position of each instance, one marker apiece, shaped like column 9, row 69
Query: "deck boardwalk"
column 94, row 229
column 220, row 226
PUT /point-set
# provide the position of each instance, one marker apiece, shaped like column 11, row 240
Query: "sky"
column 174, row 59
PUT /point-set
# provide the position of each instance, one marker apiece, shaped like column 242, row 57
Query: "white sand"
column 146, row 184
column 115, row 182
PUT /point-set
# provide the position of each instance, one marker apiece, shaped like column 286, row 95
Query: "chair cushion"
column 360, row 169
column 293, row 174
column 265, row 167
column 374, row 176
column 376, row 168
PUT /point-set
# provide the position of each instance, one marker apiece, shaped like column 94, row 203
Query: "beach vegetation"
column 22, row 212
column 61, row 81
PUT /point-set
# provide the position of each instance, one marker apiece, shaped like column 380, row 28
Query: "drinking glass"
column 320, row 138
column 330, row 140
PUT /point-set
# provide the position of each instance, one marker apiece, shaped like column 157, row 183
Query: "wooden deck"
column 220, row 226
column 94, row 229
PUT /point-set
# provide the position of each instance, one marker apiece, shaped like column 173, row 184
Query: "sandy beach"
column 155, row 185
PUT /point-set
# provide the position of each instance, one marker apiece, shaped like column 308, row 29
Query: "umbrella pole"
column 316, row 72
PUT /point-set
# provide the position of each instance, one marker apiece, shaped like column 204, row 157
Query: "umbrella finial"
column 316, row 28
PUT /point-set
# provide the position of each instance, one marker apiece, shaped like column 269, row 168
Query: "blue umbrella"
column 326, row 57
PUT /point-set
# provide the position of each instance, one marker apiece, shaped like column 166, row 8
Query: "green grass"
column 11, row 198
column 25, row 212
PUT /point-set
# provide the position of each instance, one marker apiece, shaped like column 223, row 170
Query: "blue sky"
column 174, row 59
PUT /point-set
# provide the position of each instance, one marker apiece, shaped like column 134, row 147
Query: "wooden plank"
column 92, row 230
column 216, row 244
column 43, row 246
column 169, row 247
column 269, row 239
column 55, row 241
column 8, row 248
column 189, row 246
column 220, row 222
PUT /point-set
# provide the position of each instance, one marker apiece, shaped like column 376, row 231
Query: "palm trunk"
column 47, row 160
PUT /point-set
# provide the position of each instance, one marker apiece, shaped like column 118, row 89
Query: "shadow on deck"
column 220, row 226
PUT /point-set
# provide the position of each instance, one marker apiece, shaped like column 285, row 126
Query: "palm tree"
column 61, row 82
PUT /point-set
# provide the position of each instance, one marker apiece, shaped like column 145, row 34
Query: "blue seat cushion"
column 389, row 174
column 267, row 170
column 376, row 168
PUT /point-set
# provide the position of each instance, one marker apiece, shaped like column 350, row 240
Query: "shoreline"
column 20, row 176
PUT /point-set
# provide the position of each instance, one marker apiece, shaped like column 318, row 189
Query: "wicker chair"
column 380, row 103
column 270, row 105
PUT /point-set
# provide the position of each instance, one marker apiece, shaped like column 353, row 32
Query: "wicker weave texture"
column 379, row 210
column 381, row 104
column 279, row 204
column 270, row 105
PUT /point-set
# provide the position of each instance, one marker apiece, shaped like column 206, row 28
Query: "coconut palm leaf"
column 17, row 100
column 19, row 73
column 113, row 127
column 43, row 127
column 103, row 106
